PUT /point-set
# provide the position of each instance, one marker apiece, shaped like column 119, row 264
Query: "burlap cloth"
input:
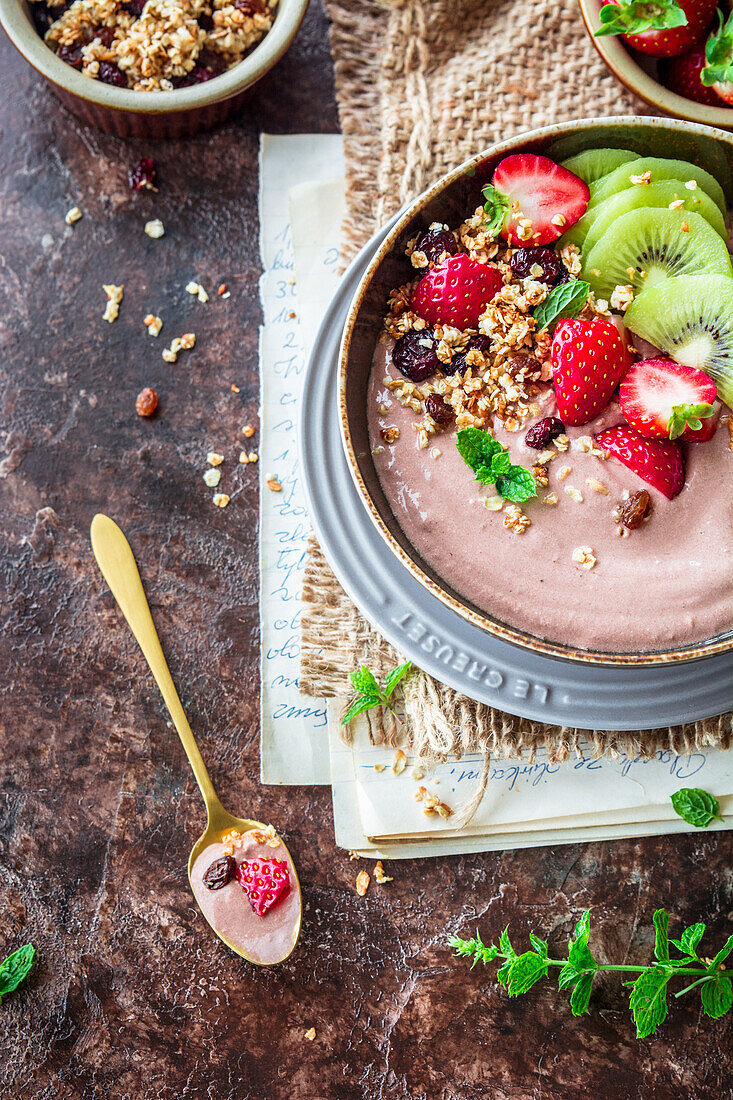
column 421, row 86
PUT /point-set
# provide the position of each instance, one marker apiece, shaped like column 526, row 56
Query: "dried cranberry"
column 415, row 355
column 206, row 22
column 636, row 509
column 110, row 74
column 524, row 259
column 71, row 55
column 199, row 75
column 106, row 35
column 220, row 872
column 435, row 242
column 42, row 18
column 442, row 414
column 147, row 402
column 525, row 368
column 478, row 343
column 250, row 7
column 134, row 7
column 144, row 174
column 543, row 432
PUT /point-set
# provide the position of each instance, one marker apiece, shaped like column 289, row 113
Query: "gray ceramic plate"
column 436, row 638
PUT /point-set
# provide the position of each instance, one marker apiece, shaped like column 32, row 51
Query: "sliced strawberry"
column 682, row 76
column 456, row 291
column 667, row 400
column 656, row 461
column 264, row 881
column 660, row 28
column 545, row 198
column 587, row 360
column 718, row 70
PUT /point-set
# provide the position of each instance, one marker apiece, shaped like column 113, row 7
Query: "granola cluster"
column 155, row 45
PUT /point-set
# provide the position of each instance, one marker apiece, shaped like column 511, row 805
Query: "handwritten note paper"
column 294, row 741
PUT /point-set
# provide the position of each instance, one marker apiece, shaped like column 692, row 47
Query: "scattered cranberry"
column 478, row 343
column 543, row 432
column 106, row 35
column 250, row 7
column 415, row 355
column 442, row 414
column 144, row 174
column 199, row 75
column 435, row 242
column 71, row 55
column 636, row 509
column 220, row 872
column 110, row 74
column 42, row 18
column 206, row 22
column 134, row 7
column 147, row 402
column 524, row 259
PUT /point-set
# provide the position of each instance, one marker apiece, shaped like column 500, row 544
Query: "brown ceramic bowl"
column 639, row 74
column 448, row 200
column 121, row 111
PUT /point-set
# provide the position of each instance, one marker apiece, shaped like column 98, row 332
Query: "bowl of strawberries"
column 677, row 55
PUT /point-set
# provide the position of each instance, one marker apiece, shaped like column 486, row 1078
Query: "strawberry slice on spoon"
column 533, row 201
column 663, row 399
column 656, row 461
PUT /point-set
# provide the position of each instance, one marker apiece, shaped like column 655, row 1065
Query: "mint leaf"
column 649, row 1000
column 500, row 464
column 477, row 447
column 579, row 954
column 696, row 807
column 580, row 996
column 509, row 954
column 690, row 938
column 497, row 206
column 565, row 300
column 539, row 945
column 661, row 944
column 394, row 677
column 365, row 702
column 14, row 969
column 717, row 996
column 722, row 954
column 719, row 53
column 474, row 947
column 525, row 971
column 687, row 416
column 637, row 16
column 364, row 681
column 517, row 485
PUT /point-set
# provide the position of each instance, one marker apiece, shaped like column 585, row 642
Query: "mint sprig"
column 688, row 416
column 719, row 53
column 564, row 300
column 14, row 969
column 492, row 465
column 696, row 807
column 637, row 16
column 497, row 206
column 369, row 693
column 648, row 999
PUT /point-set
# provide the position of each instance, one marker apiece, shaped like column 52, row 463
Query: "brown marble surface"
column 132, row 997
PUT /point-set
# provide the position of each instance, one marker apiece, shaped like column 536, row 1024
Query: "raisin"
column 220, row 872
column 71, row 55
column 134, row 7
column 147, row 402
column 524, row 367
column 42, row 18
column 525, row 259
column 110, row 74
column 206, row 22
column 543, row 432
column 435, row 242
column 250, row 7
column 636, row 509
column 144, row 174
column 416, row 355
column 106, row 35
column 436, row 407
column 478, row 343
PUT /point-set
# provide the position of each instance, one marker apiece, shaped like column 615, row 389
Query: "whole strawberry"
column 587, row 360
column 682, row 76
column 660, row 28
column 456, row 291
column 264, row 881
column 656, row 461
column 717, row 73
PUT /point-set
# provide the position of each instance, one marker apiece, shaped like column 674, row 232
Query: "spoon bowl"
column 119, row 569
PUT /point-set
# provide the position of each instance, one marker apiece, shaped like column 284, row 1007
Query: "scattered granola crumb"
column 379, row 768
column 596, row 485
column 622, row 297
column 379, row 874
column 515, row 519
column 178, row 344
column 584, row 556
column 550, row 498
column 222, row 291
column 730, row 432
column 389, row 435
column 691, row 185
column 562, row 442
column 155, row 229
column 248, row 431
column 399, row 763
column 310, row 1034
column 583, row 443
column 243, row 457
column 643, row 179
column 146, row 402
column 214, row 459
column 114, row 297
column 153, row 324
column 353, row 854
column 221, row 499
column 197, row 290
column 559, row 220
column 362, row 883
column 685, row 227
column 73, row 215
column 493, row 504
column 234, row 389
column 212, row 477
column 574, row 494
column 677, row 204
column 290, row 280
column 564, row 472
column 253, row 456
column 418, row 773
column 273, row 484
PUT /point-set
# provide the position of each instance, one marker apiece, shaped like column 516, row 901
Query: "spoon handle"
column 119, row 569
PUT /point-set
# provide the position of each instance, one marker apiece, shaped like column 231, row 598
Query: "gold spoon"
column 116, row 560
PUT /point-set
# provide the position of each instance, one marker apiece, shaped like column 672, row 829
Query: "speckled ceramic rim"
column 630, row 73
column 473, row 615
column 21, row 32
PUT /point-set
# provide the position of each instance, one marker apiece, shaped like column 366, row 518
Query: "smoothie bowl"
column 535, row 390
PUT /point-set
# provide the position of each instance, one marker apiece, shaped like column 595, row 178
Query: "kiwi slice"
column 660, row 194
column 691, row 320
column 646, row 246
column 591, row 164
column 661, row 169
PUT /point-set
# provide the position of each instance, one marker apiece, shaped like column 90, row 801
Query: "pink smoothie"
column 668, row 584
column 266, row 939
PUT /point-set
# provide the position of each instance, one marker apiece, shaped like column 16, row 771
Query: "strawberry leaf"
column 497, row 206
column 688, row 416
column 719, row 53
column 637, row 16
column 565, row 300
